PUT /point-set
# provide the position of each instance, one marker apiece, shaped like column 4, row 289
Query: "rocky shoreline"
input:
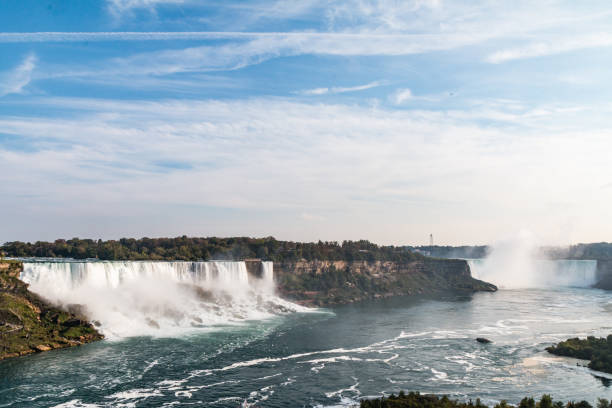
column 28, row 324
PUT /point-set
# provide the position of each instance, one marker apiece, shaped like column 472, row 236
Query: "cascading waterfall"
column 158, row 298
column 535, row 273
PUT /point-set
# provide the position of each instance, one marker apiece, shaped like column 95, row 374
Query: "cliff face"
column 322, row 283
column 28, row 324
column 604, row 274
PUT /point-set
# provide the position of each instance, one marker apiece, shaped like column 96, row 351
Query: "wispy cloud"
column 16, row 80
column 245, row 49
column 455, row 154
column 321, row 37
column 339, row 89
column 551, row 47
column 119, row 7
column 401, row 95
column 103, row 156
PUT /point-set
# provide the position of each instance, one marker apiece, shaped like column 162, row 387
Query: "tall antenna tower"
column 430, row 239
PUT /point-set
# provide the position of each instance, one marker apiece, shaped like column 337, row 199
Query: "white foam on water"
column 76, row 403
column 438, row 375
column 226, row 399
column 352, row 389
column 162, row 299
column 135, row 394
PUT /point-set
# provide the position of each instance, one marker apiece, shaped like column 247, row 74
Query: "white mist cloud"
column 15, row 81
column 517, row 262
column 401, row 96
column 338, row 89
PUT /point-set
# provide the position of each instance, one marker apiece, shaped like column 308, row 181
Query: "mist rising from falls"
column 538, row 273
column 159, row 298
column 516, row 263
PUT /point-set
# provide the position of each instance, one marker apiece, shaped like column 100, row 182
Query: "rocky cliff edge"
column 28, row 324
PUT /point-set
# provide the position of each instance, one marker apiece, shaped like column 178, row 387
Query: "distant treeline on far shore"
column 193, row 249
column 269, row 248
column 599, row 250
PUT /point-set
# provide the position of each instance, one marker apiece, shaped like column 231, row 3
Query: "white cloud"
column 382, row 27
column 551, row 47
column 399, row 171
column 339, row 89
column 15, row 81
column 316, row 91
column 239, row 54
column 119, row 7
column 312, row 217
column 401, row 96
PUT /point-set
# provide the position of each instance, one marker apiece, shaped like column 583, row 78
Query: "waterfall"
column 158, row 298
column 535, row 273
column 70, row 275
column 268, row 272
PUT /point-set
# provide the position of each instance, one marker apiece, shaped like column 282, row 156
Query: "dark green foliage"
column 416, row 400
column 527, row 402
column 597, row 350
column 193, row 249
column 29, row 324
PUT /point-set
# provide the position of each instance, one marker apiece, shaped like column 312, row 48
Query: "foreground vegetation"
column 416, row 400
column 28, row 324
column 194, row 249
column 597, row 350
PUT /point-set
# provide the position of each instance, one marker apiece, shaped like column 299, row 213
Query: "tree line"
column 210, row 248
column 597, row 350
column 597, row 250
column 417, row 400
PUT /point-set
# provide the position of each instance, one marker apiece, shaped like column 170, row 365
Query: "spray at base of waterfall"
column 161, row 299
column 516, row 263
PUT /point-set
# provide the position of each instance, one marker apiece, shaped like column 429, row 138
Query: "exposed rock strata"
column 321, row 283
column 604, row 274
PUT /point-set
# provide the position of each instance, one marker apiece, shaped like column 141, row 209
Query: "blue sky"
column 306, row 120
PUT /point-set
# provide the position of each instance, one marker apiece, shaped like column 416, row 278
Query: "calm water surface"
column 335, row 357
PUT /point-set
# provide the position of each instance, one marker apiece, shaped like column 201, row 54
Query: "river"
column 334, row 357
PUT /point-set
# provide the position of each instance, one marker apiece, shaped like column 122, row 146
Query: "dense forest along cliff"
column 28, row 324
